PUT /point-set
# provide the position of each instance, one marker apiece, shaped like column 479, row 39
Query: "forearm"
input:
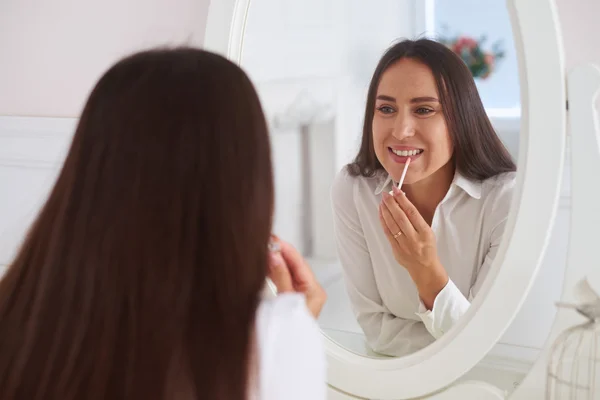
column 393, row 336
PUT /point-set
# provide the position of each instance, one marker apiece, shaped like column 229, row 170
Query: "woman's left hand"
column 412, row 239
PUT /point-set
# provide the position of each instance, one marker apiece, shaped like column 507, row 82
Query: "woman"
column 142, row 276
column 414, row 259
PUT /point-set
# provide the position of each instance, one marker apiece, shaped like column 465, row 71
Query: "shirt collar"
column 471, row 187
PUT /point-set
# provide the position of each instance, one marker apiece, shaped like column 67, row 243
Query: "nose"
column 404, row 127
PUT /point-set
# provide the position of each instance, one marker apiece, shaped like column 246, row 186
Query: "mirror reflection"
column 394, row 157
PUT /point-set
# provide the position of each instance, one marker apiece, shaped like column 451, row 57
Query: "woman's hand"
column 413, row 243
column 291, row 273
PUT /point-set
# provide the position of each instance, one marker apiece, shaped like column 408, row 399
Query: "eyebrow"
column 413, row 100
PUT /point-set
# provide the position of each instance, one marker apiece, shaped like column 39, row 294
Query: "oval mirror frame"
column 539, row 173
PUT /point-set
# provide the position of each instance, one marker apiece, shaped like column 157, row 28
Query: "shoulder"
column 283, row 309
column 291, row 351
column 497, row 193
column 499, row 187
column 284, row 322
column 345, row 186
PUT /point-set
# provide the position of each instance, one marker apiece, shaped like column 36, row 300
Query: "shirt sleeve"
column 293, row 365
column 450, row 304
column 385, row 333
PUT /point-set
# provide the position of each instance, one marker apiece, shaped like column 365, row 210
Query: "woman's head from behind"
column 147, row 261
column 423, row 104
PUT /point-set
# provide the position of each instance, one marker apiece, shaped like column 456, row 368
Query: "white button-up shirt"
column 291, row 355
column 468, row 225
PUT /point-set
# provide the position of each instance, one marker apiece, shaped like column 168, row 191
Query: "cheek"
column 379, row 133
column 439, row 141
column 447, row 142
column 444, row 144
column 449, row 146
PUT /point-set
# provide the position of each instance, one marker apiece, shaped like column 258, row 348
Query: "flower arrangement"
column 481, row 63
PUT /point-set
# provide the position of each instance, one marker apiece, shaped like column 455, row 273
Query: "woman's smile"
column 402, row 154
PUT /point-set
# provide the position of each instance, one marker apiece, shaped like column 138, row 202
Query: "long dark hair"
column 142, row 274
column 478, row 152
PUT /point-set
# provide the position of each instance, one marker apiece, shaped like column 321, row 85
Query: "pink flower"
column 489, row 59
column 470, row 43
column 465, row 41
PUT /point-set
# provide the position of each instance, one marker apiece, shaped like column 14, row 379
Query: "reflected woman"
column 413, row 260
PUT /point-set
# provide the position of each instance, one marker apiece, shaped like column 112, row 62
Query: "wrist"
column 315, row 299
column 430, row 282
column 428, row 274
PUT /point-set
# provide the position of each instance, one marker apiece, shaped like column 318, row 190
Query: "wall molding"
column 35, row 126
column 34, row 142
column 28, row 164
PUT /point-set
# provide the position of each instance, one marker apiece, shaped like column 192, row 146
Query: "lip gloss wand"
column 403, row 174
column 401, row 181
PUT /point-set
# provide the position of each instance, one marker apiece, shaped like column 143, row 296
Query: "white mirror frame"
column 540, row 168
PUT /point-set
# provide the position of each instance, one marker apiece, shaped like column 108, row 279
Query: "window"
column 500, row 92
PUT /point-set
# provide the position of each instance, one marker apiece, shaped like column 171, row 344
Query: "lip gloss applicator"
column 401, row 181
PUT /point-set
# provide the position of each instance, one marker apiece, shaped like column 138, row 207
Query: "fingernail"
column 396, row 190
column 274, row 247
column 275, row 259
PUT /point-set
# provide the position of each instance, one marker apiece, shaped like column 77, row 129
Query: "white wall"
column 31, row 154
column 53, row 51
column 580, row 29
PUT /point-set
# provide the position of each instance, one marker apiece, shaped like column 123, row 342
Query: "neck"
column 427, row 193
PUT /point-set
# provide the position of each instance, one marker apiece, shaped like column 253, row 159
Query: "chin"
column 410, row 181
column 412, row 178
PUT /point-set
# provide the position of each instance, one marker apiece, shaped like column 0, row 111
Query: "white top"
column 291, row 352
column 468, row 225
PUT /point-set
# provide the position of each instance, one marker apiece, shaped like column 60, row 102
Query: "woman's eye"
column 423, row 111
column 385, row 109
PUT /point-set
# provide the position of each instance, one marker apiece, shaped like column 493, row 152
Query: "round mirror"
column 314, row 89
column 354, row 111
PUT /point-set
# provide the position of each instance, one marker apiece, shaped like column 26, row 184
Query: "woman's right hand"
column 291, row 273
